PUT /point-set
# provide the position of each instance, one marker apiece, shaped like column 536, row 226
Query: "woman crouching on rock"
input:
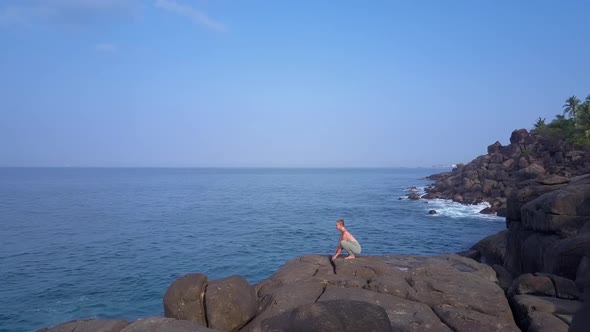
column 346, row 242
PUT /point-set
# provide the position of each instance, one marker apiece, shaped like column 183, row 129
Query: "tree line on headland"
column 573, row 126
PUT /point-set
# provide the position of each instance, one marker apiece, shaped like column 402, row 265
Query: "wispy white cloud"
column 29, row 12
column 195, row 15
column 106, row 48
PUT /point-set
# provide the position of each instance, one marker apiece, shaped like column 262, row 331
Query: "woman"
column 346, row 242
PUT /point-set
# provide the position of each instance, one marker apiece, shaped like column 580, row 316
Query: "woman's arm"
column 338, row 248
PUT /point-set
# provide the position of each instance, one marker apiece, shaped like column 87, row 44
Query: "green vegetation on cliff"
column 572, row 127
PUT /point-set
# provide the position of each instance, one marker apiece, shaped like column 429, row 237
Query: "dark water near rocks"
column 106, row 243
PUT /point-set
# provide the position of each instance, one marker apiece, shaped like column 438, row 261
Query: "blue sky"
column 280, row 83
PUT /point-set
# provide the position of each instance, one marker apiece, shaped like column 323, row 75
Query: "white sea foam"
column 452, row 209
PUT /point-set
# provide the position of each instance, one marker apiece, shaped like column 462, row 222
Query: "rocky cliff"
column 529, row 160
column 313, row 293
column 543, row 258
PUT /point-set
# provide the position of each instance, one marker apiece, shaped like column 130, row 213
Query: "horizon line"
column 236, row 167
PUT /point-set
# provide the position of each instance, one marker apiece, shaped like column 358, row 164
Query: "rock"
column 487, row 210
column 534, row 251
column 564, row 288
column 563, row 211
column 563, row 257
column 407, row 287
column 497, row 158
column 184, row 298
column 459, row 319
column 531, row 284
column 280, row 299
column 432, row 212
column 544, row 322
column 519, row 136
column 581, row 319
column 583, row 273
column 504, row 276
column 88, row 325
column 553, row 180
column 413, row 196
column 523, row 162
column 531, row 171
column 471, row 253
column 488, row 185
column 566, row 318
column 332, row 316
column 525, row 304
column 493, row 248
column 509, row 164
column 159, row 324
column 494, row 148
column 231, row 303
column 404, row 315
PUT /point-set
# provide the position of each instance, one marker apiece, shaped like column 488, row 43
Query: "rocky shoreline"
column 530, row 277
column 533, row 276
column 529, row 160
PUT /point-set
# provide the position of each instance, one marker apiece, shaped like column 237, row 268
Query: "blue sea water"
column 106, row 243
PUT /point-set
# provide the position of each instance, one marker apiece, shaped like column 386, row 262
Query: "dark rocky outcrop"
column 529, row 160
column 184, row 298
column 547, row 247
column 440, row 293
column 413, row 196
column 332, row 316
column 493, row 248
column 230, row 303
column 550, row 234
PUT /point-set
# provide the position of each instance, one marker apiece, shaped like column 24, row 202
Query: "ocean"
column 107, row 242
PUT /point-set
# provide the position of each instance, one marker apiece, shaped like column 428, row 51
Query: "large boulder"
column 231, row 303
column 403, row 314
column 545, row 322
column 160, row 324
column 563, row 212
column 332, row 316
column 505, row 278
column 526, row 305
column 415, row 291
column 531, row 284
column 184, row 298
column 276, row 299
column 564, row 288
column 88, row 325
column 493, row 248
column 563, row 257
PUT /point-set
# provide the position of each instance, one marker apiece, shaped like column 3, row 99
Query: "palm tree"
column 540, row 123
column 583, row 117
column 571, row 106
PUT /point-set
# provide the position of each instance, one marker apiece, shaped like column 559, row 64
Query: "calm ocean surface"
column 106, row 243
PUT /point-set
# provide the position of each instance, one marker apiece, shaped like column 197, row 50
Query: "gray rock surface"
column 493, row 248
column 230, row 303
column 331, row 316
column 184, row 298
column 532, row 284
column 441, row 293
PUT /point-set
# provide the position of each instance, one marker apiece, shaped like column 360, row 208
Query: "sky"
column 219, row 83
